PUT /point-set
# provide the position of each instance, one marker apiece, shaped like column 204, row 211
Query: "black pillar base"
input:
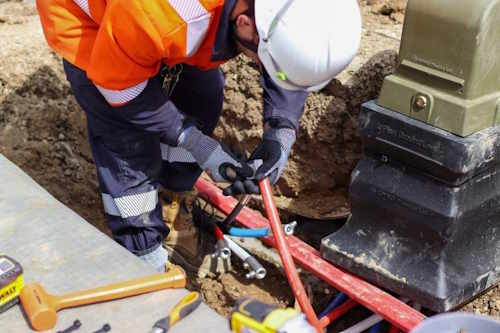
column 430, row 229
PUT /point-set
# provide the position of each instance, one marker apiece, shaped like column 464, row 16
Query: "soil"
column 43, row 131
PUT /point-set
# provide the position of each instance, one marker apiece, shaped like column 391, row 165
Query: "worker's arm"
column 152, row 111
column 130, row 46
column 133, row 40
column 126, row 56
column 284, row 106
column 282, row 112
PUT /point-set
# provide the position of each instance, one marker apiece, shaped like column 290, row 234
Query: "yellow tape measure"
column 253, row 316
column 11, row 282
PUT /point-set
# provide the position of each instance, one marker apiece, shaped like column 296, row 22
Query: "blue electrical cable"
column 375, row 328
column 337, row 301
column 248, row 233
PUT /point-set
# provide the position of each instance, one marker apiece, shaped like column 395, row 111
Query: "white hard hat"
column 304, row 44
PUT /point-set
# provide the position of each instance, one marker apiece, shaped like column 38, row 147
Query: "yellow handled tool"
column 41, row 308
column 187, row 305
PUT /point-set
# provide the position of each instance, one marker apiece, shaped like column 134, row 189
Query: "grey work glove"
column 212, row 156
column 268, row 160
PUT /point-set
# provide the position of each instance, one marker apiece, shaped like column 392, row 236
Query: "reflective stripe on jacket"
column 122, row 43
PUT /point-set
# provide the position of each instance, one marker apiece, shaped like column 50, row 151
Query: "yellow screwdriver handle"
column 187, row 305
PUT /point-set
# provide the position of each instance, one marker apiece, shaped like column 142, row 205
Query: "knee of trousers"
column 179, row 176
column 133, row 211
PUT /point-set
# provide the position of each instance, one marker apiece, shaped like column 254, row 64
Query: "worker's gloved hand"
column 213, row 157
column 268, row 159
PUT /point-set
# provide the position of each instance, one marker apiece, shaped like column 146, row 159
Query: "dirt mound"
column 42, row 129
column 393, row 8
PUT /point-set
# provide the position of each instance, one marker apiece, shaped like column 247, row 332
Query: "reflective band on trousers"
column 176, row 154
column 130, row 205
column 197, row 19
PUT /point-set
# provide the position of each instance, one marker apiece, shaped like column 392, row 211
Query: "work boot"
column 186, row 245
column 170, row 202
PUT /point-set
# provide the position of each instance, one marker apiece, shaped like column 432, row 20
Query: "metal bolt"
column 76, row 325
column 420, row 103
column 221, row 250
column 289, row 228
column 225, row 253
column 105, row 328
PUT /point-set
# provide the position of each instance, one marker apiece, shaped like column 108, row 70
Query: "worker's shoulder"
column 166, row 17
column 180, row 11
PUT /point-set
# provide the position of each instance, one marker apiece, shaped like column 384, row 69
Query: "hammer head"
column 39, row 307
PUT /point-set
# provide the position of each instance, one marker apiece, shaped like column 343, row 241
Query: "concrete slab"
column 64, row 253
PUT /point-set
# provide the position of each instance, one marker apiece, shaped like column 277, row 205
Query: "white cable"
column 364, row 325
column 369, row 322
column 236, row 249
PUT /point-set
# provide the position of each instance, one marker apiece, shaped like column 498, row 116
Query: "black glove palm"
column 214, row 157
column 268, row 160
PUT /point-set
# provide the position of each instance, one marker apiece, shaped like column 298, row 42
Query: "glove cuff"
column 279, row 122
column 198, row 144
column 284, row 136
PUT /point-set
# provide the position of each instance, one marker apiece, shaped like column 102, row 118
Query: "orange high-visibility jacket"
column 122, row 43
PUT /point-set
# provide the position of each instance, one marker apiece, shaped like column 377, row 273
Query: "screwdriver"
column 187, row 305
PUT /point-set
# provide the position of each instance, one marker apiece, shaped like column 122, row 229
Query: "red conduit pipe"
column 394, row 329
column 338, row 312
column 366, row 294
column 286, row 258
column 219, row 235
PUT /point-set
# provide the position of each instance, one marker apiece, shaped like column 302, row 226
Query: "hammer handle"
column 175, row 278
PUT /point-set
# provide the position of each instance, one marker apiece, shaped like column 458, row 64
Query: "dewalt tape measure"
column 11, row 282
column 252, row 316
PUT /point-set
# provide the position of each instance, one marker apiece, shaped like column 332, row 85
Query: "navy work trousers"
column 132, row 164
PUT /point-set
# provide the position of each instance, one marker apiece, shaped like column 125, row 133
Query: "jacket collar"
column 225, row 45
